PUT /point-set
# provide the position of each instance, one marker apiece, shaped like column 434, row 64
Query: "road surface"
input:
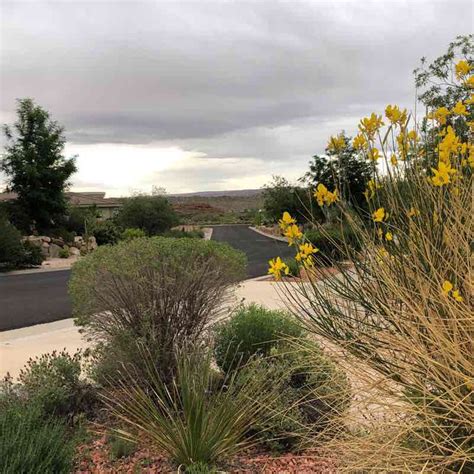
column 41, row 297
column 258, row 248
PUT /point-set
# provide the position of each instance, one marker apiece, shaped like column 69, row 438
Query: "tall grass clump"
column 30, row 443
column 402, row 315
column 197, row 418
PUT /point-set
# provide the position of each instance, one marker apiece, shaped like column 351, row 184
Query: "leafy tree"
column 34, row 163
column 280, row 196
column 152, row 214
column 348, row 172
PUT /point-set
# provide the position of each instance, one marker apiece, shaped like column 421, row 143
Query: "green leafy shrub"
column 157, row 291
column 152, row 214
column 192, row 420
column 311, row 392
column 31, row 444
column 79, row 219
column 105, row 232
column 64, row 252
column 53, row 383
column 15, row 253
column 252, row 330
column 131, row 233
column 332, row 242
column 293, row 267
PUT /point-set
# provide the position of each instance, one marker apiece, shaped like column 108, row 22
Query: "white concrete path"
column 18, row 345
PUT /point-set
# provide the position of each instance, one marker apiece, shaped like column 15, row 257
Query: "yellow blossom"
column 459, row 109
column 470, row 101
column 455, row 294
column 389, row 236
column 447, row 287
column 374, row 154
column 462, row 69
column 286, row 220
column 442, row 174
column 293, row 234
column 413, row 212
column 393, row 159
column 440, row 115
column 379, row 215
column 360, row 142
column 370, row 125
column 336, row 144
column 324, row 196
column 449, row 145
column 395, row 115
column 469, row 82
column 277, row 267
column 372, row 186
column 305, row 253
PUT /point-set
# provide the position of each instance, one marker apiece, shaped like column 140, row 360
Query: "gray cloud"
column 231, row 79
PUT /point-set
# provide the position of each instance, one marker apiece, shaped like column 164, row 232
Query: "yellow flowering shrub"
column 402, row 316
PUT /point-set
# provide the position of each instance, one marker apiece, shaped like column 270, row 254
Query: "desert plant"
column 131, row 233
column 158, row 291
column 152, row 214
column 53, row 383
column 105, row 232
column 64, row 252
column 191, row 234
column 120, row 447
column 252, row 330
column 191, row 419
column 30, row 443
column 311, row 394
column 403, row 314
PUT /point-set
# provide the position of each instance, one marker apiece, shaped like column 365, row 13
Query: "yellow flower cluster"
column 324, row 196
column 379, row 215
column 277, row 268
column 462, row 69
column 372, row 186
column 448, row 288
column 293, row 233
column 305, row 254
column 441, row 175
column 371, row 125
column 395, row 115
column 360, row 142
column 286, row 221
column 336, row 144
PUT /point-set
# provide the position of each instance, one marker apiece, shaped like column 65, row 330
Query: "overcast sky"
column 195, row 96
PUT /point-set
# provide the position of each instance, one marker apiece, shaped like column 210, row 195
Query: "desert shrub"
column 152, row 214
column 53, row 383
column 403, row 314
column 192, row 419
column 64, row 252
column 105, row 232
column 63, row 233
column 200, row 468
column 334, row 242
column 131, row 233
column 14, row 253
column 30, row 443
column 311, row 393
column 252, row 330
column 157, row 291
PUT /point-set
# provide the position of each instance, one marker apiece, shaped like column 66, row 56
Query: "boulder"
column 74, row 251
column 59, row 241
column 44, row 248
column 78, row 239
column 34, row 240
column 54, row 250
column 45, row 238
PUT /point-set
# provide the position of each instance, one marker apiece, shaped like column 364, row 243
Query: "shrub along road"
column 41, row 297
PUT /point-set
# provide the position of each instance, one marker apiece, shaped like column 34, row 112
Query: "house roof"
column 86, row 199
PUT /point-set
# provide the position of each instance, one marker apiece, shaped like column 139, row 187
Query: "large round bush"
column 252, row 330
column 156, row 292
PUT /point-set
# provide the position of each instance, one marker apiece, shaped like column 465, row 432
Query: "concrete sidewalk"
column 18, row 345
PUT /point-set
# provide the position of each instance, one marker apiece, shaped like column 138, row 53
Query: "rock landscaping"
column 51, row 247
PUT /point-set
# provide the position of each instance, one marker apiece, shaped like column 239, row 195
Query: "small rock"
column 45, row 238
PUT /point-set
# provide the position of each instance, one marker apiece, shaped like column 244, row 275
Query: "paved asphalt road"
column 41, row 297
column 258, row 248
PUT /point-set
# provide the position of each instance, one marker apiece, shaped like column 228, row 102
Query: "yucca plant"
column 402, row 315
column 200, row 417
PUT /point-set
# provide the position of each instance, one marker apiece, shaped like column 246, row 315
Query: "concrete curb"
column 33, row 270
column 270, row 236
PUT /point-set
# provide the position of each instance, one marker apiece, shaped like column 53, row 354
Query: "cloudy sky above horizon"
column 196, row 96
